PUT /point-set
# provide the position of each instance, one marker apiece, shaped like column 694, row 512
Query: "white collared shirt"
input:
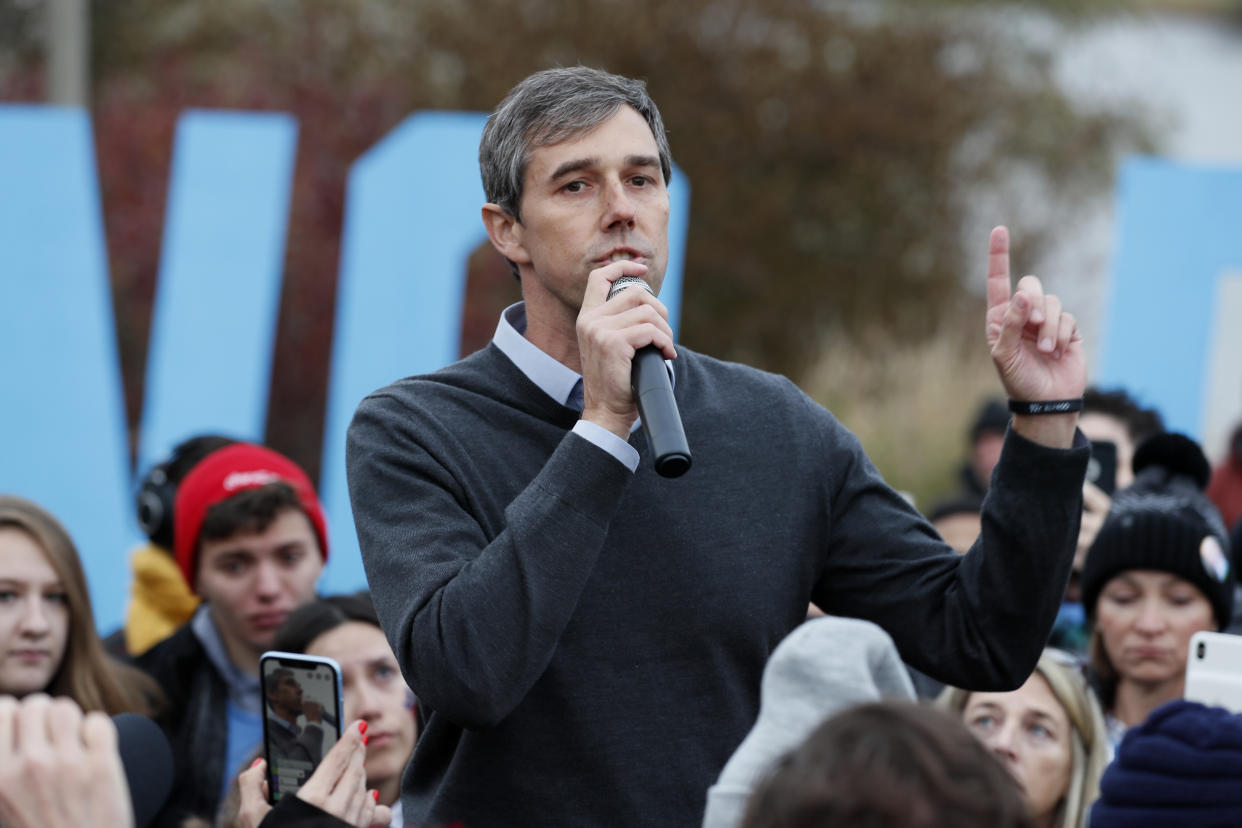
column 556, row 380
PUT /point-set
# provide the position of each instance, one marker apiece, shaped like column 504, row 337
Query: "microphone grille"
column 628, row 281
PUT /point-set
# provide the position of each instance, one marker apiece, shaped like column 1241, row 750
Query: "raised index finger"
column 998, row 267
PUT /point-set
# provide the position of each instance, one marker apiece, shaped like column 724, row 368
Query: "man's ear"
column 505, row 232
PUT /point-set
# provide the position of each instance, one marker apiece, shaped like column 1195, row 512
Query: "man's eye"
column 640, row 181
column 574, row 187
column 292, row 556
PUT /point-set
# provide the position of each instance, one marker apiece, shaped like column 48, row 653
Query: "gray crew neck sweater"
column 589, row 642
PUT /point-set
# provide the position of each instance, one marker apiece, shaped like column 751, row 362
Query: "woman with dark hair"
column 1157, row 573
column 48, row 642
column 346, row 629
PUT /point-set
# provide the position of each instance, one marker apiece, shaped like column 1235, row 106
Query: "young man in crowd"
column 588, row 636
column 250, row 540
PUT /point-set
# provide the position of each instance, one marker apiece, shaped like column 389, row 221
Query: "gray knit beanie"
column 822, row 667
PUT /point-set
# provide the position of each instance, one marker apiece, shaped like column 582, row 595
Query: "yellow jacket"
column 160, row 601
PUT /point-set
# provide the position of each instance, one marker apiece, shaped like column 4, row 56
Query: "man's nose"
column 620, row 209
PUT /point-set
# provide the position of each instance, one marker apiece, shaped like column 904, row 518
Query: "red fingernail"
column 256, row 762
column 362, row 727
column 375, row 795
column 366, row 740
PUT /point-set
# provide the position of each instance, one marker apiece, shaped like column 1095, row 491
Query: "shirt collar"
column 556, row 380
column 272, row 718
column 243, row 687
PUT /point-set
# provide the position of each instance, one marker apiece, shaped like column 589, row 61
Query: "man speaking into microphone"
column 588, row 636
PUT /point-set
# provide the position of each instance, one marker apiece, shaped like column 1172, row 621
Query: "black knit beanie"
column 1164, row 522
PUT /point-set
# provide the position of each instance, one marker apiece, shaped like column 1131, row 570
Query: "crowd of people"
column 248, row 543
column 556, row 634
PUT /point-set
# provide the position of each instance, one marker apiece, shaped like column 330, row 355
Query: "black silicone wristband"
column 1045, row 406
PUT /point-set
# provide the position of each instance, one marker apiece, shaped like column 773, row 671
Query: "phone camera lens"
column 1201, row 650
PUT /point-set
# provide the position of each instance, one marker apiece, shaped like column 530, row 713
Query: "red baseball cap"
column 224, row 473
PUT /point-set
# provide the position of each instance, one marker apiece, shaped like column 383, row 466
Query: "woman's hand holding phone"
column 338, row 786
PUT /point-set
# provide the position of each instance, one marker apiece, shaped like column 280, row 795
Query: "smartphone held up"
column 301, row 717
column 1214, row 670
column 1102, row 467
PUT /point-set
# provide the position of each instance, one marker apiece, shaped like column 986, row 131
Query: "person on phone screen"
column 286, row 707
column 1158, row 572
column 250, row 539
column 539, row 580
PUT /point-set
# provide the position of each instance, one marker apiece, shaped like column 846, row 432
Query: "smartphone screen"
column 1102, row 467
column 1214, row 670
column 301, row 717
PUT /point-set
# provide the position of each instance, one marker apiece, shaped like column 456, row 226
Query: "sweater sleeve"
column 977, row 621
column 473, row 597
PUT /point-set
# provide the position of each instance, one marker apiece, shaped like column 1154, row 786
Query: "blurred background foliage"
column 846, row 159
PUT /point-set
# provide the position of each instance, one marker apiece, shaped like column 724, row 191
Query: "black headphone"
column 155, row 502
column 158, row 493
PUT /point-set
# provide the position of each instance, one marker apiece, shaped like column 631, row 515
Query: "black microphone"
column 148, row 761
column 653, row 392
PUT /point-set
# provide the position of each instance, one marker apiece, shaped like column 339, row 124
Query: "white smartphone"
column 301, row 717
column 1214, row 670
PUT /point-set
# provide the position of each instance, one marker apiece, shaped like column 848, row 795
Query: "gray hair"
column 553, row 106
